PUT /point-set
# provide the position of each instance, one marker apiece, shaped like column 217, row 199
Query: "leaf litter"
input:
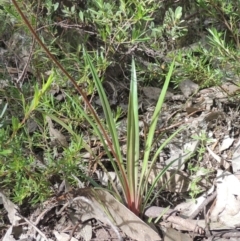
column 80, row 214
column 88, row 214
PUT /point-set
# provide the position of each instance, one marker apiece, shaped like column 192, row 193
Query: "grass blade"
column 152, row 129
column 133, row 139
column 120, row 171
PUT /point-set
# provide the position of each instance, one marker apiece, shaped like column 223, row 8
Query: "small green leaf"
column 15, row 123
column 81, row 16
column 48, row 83
column 73, row 9
column 55, row 6
column 5, row 152
column 178, row 13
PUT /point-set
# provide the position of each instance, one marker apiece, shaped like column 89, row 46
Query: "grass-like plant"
column 133, row 174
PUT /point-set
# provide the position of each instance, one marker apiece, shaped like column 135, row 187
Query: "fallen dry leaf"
column 227, row 207
column 63, row 236
column 11, row 209
column 105, row 207
column 14, row 219
column 227, row 142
